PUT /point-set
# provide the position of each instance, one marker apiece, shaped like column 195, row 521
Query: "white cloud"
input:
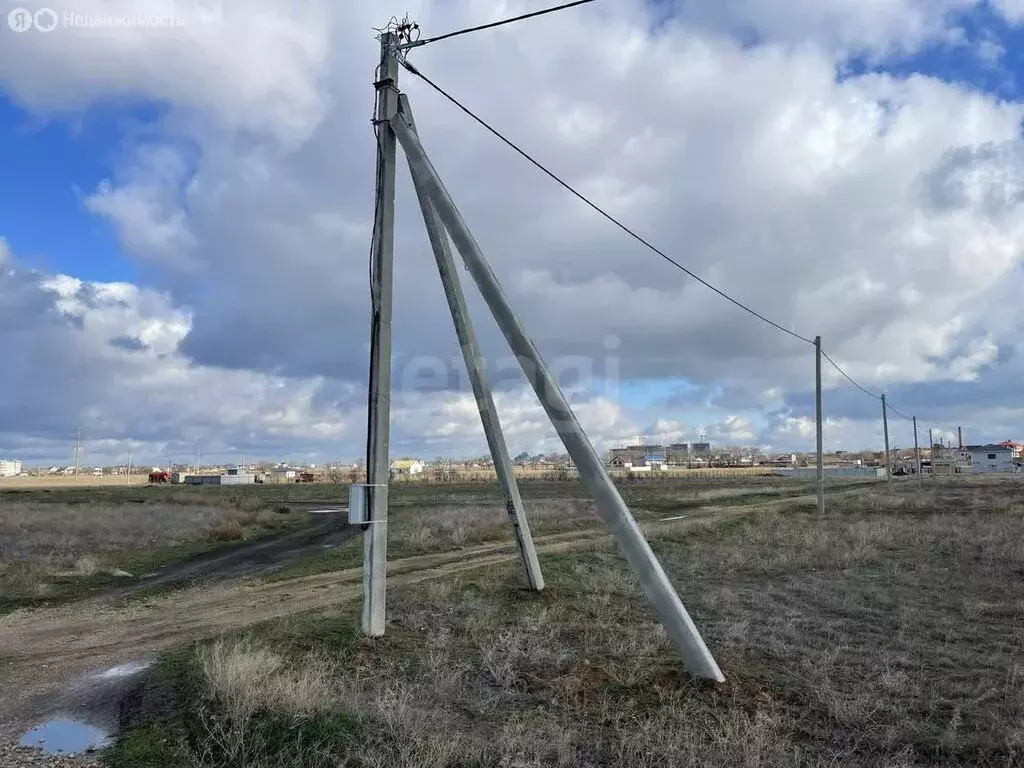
column 883, row 213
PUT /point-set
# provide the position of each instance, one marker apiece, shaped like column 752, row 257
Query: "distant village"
column 635, row 459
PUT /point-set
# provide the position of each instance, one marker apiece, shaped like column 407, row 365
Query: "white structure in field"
column 234, row 476
column 986, row 459
column 407, row 467
column 10, row 468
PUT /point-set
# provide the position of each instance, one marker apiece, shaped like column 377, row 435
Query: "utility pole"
column 917, row 453
column 78, row 449
column 610, row 505
column 197, row 459
column 960, row 450
column 481, row 389
column 888, row 458
column 931, row 452
column 128, row 472
column 375, row 540
column 817, row 404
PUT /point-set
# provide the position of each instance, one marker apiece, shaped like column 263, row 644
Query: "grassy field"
column 57, row 544
column 887, row 633
column 424, row 519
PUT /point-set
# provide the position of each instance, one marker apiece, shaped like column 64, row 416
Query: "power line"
column 849, row 378
column 902, row 416
column 888, row 405
column 427, row 41
column 580, row 196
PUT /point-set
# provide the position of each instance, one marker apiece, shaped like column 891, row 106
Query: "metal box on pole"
column 358, row 504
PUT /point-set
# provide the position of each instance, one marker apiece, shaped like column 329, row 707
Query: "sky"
column 186, row 209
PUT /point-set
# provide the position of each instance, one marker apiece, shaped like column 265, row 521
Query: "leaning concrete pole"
column 375, row 540
column 478, row 379
column 819, row 431
column 888, row 456
column 611, row 507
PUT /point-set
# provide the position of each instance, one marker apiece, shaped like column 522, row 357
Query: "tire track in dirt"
column 42, row 649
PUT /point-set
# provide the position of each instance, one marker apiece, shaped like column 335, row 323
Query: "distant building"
column 988, row 459
column 234, row 476
column 701, row 449
column 407, row 467
column 10, row 468
column 1016, row 448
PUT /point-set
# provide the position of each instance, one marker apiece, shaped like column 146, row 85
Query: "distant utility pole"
column 128, row 472
column 78, row 449
column 960, row 452
column 888, row 457
column 197, row 459
column 917, row 452
column 375, row 540
column 931, row 452
column 817, row 404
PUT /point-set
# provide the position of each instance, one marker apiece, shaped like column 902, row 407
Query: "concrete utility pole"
column 917, row 452
column 611, row 507
column 478, row 379
column 817, row 405
column 960, row 437
column 378, row 468
column 78, row 449
column 128, row 472
column 888, row 457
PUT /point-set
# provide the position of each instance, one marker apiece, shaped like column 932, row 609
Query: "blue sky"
column 50, row 164
column 983, row 33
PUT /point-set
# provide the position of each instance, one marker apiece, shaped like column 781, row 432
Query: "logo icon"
column 20, row 20
column 45, row 19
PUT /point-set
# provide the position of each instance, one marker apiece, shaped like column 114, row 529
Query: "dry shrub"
column 87, row 565
column 246, row 677
column 228, row 530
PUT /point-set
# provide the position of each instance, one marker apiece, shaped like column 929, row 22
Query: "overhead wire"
column 594, row 206
column 493, row 24
column 849, row 378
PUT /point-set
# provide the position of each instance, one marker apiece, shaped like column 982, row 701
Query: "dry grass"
column 245, row 677
column 451, row 526
column 887, row 633
column 41, row 541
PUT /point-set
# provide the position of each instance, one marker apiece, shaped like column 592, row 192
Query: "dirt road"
column 261, row 556
column 42, row 649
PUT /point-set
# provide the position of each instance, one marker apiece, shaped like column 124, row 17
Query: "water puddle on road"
column 84, row 715
column 65, row 737
column 123, row 670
